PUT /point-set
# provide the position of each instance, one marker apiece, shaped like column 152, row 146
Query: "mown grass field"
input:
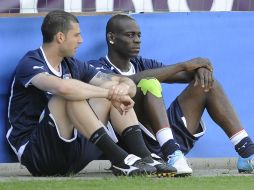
column 136, row 183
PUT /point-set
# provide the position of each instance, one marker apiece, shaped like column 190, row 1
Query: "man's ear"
column 60, row 37
column 111, row 38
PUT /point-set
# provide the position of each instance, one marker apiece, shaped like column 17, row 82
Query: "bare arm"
column 76, row 90
column 123, row 84
column 120, row 90
column 70, row 89
column 177, row 73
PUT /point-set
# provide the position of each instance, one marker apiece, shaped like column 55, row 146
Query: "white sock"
column 236, row 138
column 163, row 135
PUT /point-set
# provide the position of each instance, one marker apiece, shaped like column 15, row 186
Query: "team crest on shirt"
column 67, row 76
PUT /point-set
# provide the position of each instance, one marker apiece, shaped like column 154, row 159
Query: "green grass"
column 137, row 183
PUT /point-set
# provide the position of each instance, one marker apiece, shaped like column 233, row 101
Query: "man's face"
column 72, row 41
column 127, row 38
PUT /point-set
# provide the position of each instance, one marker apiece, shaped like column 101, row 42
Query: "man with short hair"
column 50, row 94
column 181, row 126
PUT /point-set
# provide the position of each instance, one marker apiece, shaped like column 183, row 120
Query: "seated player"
column 178, row 128
column 50, row 94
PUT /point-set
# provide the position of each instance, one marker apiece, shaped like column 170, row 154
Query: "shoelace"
column 173, row 158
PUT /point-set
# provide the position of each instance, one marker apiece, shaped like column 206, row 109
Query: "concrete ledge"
column 101, row 167
column 213, row 163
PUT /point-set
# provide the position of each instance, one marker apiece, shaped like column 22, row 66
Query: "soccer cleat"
column 178, row 161
column 133, row 166
column 245, row 165
column 163, row 170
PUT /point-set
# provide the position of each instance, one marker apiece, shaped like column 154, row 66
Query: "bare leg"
column 139, row 108
column 123, row 121
column 130, row 132
column 101, row 107
column 127, row 126
column 71, row 113
column 152, row 109
column 155, row 112
column 78, row 114
column 120, row 122
column 193, row 101
column 156, row 115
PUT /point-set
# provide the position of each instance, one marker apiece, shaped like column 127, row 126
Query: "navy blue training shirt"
column 27, row 102
column 139, row 63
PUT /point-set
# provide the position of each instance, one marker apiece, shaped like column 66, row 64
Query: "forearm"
column 163, row 74
column 118, row 80
column 131, row 84
column 181, row 77
column 108, row 81
column 70, row 89
column 77, row 90
column 180, row 72
column 191, row 67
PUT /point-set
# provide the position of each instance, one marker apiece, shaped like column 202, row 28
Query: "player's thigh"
column 58, row 113
column 101, row 107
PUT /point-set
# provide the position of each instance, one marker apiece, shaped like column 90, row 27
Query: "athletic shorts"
column 179, row 128
column 181, row 135
column 49, row 154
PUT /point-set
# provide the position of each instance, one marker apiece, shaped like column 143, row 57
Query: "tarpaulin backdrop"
column 226, row 38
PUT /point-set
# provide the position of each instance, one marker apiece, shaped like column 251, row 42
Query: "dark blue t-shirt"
column 139, row 63
column 27, row 102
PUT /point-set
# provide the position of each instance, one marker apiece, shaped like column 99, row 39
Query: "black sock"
column 169, row 147
column 114, row 153
column 245, row 147
column 134, row 141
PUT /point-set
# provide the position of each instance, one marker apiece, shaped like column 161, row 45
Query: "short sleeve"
column 151, row 63
column 28, row 68
column 87, row 72
column 100, row 65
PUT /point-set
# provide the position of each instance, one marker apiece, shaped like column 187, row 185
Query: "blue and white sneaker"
column 179, row 162
column 245, row 165
column 133, row 165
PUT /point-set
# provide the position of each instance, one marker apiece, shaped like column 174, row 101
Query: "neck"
column 53, row 56
column 120, row 62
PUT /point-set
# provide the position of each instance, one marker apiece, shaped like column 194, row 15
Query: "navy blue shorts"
column 181, row 135
column 48, row 154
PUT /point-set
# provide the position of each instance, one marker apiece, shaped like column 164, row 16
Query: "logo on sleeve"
column 38, row 67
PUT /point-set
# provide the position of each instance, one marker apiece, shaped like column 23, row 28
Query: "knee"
column 215, row 89
column 56, row 102
column 101, row 106
column 216, row 86
column 151, row 85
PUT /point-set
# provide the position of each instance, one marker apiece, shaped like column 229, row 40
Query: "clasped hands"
column 204, row 72
column 120, row 99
